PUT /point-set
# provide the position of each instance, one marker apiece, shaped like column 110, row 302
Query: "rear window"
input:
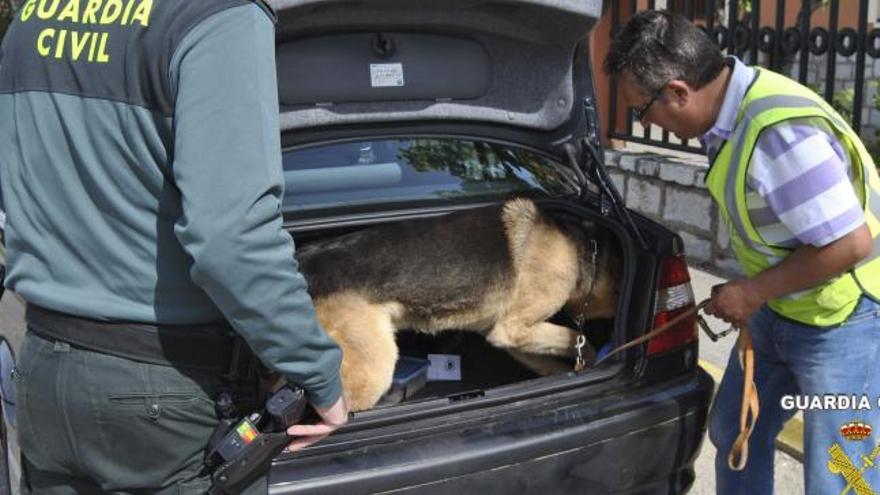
column 402, row 170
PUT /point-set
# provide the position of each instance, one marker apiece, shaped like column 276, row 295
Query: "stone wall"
column 672, row 190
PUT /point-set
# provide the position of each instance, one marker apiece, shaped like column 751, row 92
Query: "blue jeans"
column 797, row 359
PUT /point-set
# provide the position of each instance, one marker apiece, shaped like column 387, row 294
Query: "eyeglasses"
column 643, row 110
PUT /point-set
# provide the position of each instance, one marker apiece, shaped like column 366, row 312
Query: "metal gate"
column 791, row 48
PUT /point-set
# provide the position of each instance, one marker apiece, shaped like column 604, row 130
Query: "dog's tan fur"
column 548, row 274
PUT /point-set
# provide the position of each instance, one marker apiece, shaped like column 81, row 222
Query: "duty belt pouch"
column 244, row 452
column 233, row 477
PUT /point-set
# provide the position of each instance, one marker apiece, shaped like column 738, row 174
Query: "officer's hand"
column 331, row 419
column 735, row 302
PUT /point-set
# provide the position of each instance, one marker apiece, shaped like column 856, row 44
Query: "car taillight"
column 674, row 297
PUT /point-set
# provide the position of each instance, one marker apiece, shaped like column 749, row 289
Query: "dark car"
column 405, row 109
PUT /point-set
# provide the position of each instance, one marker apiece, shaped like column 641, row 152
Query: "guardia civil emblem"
column 840, row 463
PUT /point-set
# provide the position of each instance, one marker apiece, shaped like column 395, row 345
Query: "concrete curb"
column 790, row 439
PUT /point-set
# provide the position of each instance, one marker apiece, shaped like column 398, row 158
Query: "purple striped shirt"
column 799, row 189
column 801, row 177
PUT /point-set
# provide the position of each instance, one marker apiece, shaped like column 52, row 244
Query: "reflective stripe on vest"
column 770, row 100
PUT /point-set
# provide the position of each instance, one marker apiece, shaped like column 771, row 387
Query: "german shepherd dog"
column 502, row 271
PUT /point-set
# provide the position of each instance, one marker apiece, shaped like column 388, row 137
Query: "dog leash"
column 739, row 452
column 655, row 332
column 748, row 413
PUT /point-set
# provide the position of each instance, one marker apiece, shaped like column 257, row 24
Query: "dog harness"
column 580, row 362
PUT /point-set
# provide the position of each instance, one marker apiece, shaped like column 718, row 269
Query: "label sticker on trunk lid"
column 386, row 75
column 444, row 367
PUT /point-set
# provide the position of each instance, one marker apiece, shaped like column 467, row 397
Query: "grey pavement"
column 789, row 478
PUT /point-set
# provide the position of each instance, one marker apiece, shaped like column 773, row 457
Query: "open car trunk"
column 461, row 365
column 504, row 73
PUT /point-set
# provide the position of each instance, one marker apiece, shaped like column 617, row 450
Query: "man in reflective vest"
column 800, row 197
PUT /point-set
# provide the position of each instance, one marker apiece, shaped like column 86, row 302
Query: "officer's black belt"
column 212, row 347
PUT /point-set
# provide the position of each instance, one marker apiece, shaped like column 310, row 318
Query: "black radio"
column 240, row 452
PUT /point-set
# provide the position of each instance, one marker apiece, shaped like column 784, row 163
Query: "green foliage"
column 876, row 94
column 459, row 158
column 873, row 147
column 842, row 101
column 476, row 163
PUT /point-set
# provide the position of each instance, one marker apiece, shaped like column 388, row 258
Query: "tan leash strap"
column 739, row 453
column 655, row 332
column 748, row 414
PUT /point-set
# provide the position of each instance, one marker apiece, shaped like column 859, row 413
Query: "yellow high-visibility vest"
column 772, row 99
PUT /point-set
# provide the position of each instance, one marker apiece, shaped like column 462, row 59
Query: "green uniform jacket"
column 141, row 173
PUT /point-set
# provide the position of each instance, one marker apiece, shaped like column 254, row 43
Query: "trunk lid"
column 507, row 70
column 502, row 69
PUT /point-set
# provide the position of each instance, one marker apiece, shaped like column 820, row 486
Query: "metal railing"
column 778, row 47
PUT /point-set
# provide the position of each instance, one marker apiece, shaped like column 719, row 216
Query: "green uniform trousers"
column 94, row 423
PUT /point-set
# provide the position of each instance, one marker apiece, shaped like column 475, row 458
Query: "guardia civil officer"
column 801, row 200
column 142, row 180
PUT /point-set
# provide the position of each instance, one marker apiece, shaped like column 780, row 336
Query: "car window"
column 402, row 170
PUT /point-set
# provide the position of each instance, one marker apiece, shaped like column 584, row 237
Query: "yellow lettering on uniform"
column 70, row 11
column 79, row 43
column 103, row 58
column 111, row 11
column 42, row 47
column 142, row 12
column 92, row 47
column 43, row 12
column 59, row 48
column 28, row 10
column 90, row 14
column 128, row 7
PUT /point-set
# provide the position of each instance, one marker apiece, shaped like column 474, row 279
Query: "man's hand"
column 735, row 302
column 332, row 419
column 807, row 267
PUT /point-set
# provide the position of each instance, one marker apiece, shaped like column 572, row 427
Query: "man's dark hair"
column 658, row 46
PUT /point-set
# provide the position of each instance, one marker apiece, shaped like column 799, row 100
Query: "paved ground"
column 789, row 472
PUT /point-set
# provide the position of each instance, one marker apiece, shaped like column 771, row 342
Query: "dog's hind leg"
column 540, row 346
column 365, row 333
column 538, row 338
